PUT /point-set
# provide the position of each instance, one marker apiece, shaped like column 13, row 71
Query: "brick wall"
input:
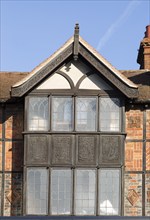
column 11, row 159
column 137, row 161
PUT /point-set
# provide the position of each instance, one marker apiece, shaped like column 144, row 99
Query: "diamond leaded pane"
column 62, row 114
column 85, row 189
column 109, row 114
column 109, row 191
column 86, row 114
column 37, row 191
column 38, row 114
column 61, row 191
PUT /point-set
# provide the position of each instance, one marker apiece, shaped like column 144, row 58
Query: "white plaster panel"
column 55, row 81
column 75, row 70
column 94, row 82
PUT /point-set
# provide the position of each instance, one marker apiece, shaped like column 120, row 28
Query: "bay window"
column 73, row 155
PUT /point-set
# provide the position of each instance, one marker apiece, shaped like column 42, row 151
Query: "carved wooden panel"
column 37, row 149
column 86, row 149
column 110, row 149
column 62, row 149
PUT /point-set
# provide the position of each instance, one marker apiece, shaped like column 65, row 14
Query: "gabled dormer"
column 74, row 133
column 73, row 55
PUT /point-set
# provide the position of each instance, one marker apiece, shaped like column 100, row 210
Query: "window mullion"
column 50, row 112
column 73, row 191
column 49, row 192
column 74, row 112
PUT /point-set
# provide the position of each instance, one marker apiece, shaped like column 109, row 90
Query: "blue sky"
column 31, row 30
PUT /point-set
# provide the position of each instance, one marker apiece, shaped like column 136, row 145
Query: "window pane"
column 109, row 191
column 109, row 114
column 38, row 114
column 85, row 192
column 37, row 191
column 86, row 114
column 61, row 192
column 62, row 114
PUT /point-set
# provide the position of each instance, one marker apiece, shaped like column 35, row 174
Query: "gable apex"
column 74, row 47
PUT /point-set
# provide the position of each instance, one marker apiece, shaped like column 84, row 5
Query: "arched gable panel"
column 75, row 70
column 94, row 82
column 56, row 81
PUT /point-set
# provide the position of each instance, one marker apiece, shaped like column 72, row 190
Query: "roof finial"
column 76, row 41
column 76, row 29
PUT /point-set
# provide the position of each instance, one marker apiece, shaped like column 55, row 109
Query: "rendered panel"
column 75, row 70
column 94, row 82
column 56, row 81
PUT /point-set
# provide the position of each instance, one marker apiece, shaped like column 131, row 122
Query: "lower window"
column 73, row 191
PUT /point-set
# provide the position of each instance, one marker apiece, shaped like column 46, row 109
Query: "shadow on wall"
column 13, row 162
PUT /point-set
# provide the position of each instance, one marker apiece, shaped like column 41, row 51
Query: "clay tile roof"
column 8, row 79
column 142, row 79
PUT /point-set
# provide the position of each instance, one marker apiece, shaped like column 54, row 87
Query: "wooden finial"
column 76, row 41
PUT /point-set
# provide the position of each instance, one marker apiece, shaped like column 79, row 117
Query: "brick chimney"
column 144, row 51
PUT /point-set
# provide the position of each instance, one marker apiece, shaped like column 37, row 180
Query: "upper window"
column 74, row 114
column 86, row 114
column 38, row 114
column 109, row 114
column 62, row 114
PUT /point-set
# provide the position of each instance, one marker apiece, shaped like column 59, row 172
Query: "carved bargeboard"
column 86, row 149
column 62, row 149
column 110, row 149
column 37, row 149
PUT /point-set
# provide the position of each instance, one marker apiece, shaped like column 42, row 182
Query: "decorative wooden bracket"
column 76, row 42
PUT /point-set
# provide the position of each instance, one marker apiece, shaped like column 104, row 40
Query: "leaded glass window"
column 62, row 114
column 85, row 190
column 109, row 191
column 37, row 191
column 38, row 114
column 61, row 191
column 86, row 114
column 109, row 114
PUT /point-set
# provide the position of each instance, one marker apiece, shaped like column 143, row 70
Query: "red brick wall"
column 11, row 158
column 137, row 169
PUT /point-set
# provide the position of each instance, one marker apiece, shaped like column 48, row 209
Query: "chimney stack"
column 144, row 51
